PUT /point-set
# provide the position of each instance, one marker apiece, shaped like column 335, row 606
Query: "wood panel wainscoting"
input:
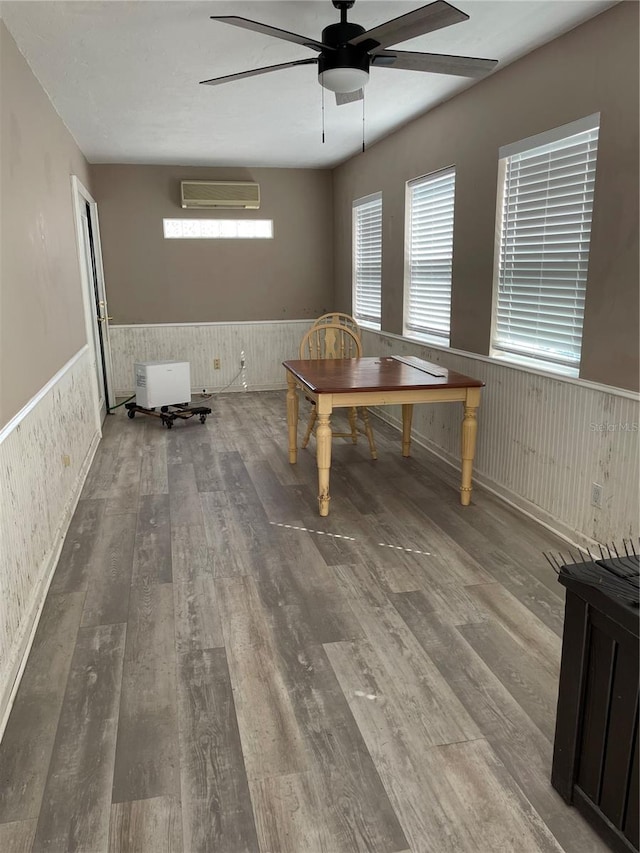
column 219, row 668
column 45, row 453
column 265, row 344
column 542, row 440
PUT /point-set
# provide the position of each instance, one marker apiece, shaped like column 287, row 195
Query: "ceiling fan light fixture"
column 343, row 80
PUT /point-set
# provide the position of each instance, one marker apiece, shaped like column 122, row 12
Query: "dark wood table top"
column 380, row 373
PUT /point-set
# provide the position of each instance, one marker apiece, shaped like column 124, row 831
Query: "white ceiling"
column 124, row 75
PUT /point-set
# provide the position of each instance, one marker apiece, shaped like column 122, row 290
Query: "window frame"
column 364, row 321
column 534, row 361
column 424, row 336
column 183, row 219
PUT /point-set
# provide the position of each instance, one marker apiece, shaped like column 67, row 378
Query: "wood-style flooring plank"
column 197, row 620
column 450, row 797
column 345, row 790
column 26, row 747
column 152, row 548
column 154, row 478
column 17, row 837
column 271, row 741
column 124, row 490
column 231, row 538
column 292, row 571
column 216, row 806
column 72, row 570
column 532, row 686
column 508, row 567
column 516, row 740
column 75, row 808
column 184, row 499
column 146, row 762
column 146, row 826
column 395, row 662
column 109, row 580
column 537, row 641
column 191, row 556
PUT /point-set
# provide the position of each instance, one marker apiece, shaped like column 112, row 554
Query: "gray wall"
column 593, row 68
column 41, row 309
column 153, row 280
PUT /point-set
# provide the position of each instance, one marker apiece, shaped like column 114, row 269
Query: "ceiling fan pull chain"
column 363, row 146
column 322, row 90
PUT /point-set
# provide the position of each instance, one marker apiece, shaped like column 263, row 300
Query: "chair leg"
column 369, row 432
column 310, row 426
column 353, row 423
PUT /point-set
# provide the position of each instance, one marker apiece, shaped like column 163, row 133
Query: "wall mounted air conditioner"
column 235, row 194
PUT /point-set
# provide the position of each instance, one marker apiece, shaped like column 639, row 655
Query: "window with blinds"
column 545, row 228
column 367, row 260
column 430, row 208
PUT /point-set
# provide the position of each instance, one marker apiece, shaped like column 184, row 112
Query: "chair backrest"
column 330, row 341
column 336, row 318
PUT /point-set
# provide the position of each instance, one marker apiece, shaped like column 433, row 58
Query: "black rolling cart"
column 170, row 414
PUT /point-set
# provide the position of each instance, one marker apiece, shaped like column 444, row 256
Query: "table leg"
column 469, row 431
column 292, row 417
column 407, row 415
column 323, row 450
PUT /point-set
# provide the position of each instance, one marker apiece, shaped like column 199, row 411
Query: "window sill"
column 536, row 364
column 426, row 338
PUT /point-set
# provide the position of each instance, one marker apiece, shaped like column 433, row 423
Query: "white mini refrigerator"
column 162, row 383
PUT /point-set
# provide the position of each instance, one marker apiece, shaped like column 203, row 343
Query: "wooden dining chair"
column 337, row 318
column 332, row 340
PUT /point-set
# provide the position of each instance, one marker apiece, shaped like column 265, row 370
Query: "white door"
column 95, row 299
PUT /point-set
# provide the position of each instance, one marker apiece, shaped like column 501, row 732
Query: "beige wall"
column 153, row 280
column 594, row 68
column 41, row 309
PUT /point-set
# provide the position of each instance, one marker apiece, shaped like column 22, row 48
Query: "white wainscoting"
column 540, row 445
column 45, row 453
column 266, row 346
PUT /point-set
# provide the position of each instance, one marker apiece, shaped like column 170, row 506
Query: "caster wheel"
column 169, row 424
column 203, row 418
column 131, row 414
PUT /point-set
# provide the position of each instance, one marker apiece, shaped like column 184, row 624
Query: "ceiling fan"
column 347, row 50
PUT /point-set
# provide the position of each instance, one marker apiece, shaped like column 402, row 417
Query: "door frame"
column 81, row 198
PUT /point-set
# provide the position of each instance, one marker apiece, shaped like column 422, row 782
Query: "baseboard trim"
column 232, row 389
column 572, row 537
column 7, row 698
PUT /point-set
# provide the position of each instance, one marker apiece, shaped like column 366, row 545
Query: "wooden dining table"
column 378, row 381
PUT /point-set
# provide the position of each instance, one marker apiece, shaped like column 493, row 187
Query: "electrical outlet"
column 216, row 364
column 596, row 495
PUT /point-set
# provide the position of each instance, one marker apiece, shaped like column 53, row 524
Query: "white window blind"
column 367, row 260
column 544, row 250
column 429, row 256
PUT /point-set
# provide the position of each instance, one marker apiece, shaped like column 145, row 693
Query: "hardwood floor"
column 204, row 678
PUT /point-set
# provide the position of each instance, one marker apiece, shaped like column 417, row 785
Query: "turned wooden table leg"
column 469, row 431
column 292, row 417
column 323, row 451
column 407, row 415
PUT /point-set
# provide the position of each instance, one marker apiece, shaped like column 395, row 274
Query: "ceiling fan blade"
column 417, row 23
column 267, row 30
column 349, row 97
column 435, row 63
column 256, row 71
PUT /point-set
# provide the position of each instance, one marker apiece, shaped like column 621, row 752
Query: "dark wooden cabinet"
column 595, row 761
